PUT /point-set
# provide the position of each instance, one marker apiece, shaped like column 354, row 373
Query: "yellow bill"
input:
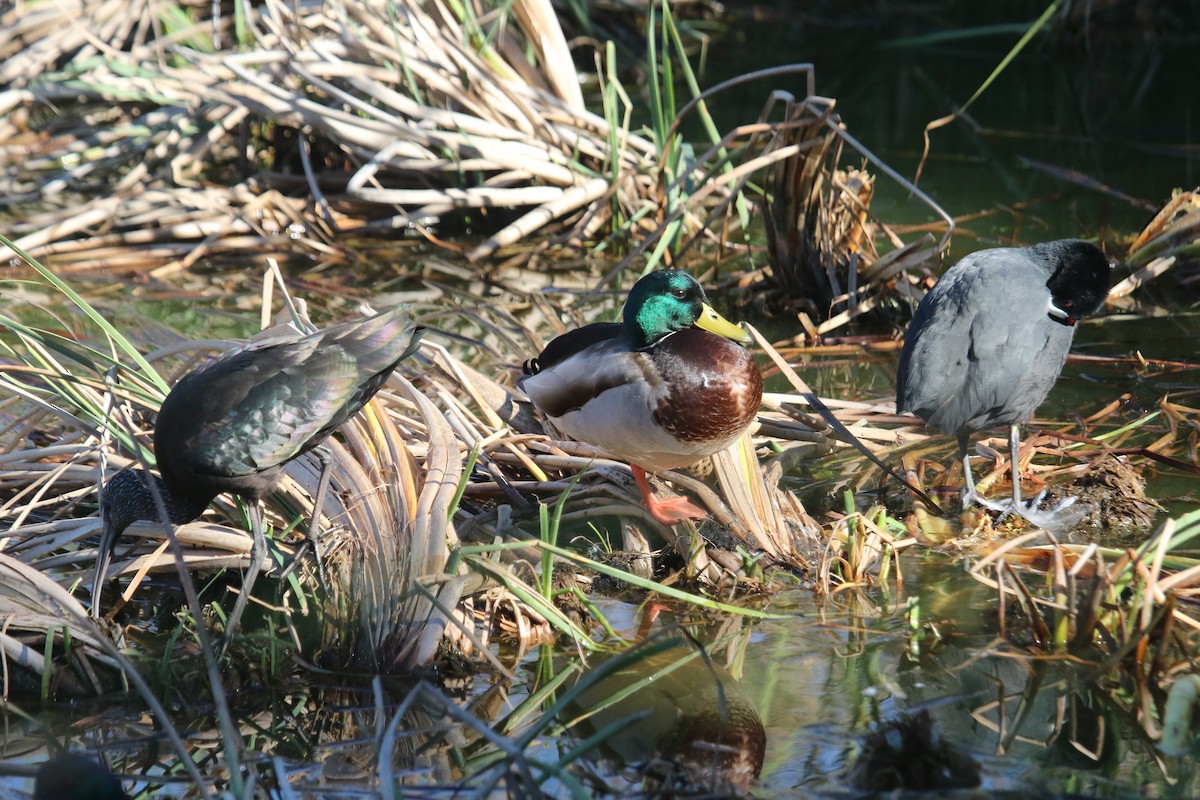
column 713, row 322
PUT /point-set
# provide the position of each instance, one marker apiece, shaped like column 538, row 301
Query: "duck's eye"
column 680, row 293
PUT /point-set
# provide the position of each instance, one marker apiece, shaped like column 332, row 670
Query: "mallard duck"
column 662, row 389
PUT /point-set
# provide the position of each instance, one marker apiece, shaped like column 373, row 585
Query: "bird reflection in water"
column 688, row 722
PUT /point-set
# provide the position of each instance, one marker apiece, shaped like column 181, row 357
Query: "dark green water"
column 1106, row 98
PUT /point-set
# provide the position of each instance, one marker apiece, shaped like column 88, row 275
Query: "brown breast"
column 715, row 386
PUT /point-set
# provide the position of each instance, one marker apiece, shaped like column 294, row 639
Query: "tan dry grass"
column 128, row 141
column 406, row 113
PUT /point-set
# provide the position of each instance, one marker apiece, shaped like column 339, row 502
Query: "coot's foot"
column 1063, row 517
column 972, row 497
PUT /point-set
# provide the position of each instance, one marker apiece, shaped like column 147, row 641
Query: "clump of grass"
column 1124, row 616
column 862, row 550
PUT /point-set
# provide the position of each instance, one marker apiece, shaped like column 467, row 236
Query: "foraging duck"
column 232, row 424
column 662, row 389
column 988, row 342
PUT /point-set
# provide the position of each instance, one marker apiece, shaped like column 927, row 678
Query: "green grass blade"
column 111, row 332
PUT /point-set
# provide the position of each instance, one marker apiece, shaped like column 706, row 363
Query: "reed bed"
column 147, row 138
column 455, row 523
column 391, row 116
column 455, row 404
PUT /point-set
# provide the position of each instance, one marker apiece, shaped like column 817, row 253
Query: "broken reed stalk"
column 1173, row 235
column 820, row 235
column 816, row 214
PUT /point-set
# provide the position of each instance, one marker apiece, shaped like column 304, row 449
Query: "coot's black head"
column 1081, row 276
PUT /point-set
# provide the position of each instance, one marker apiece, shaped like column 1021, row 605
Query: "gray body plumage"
column 982, row 350
column 988, row 342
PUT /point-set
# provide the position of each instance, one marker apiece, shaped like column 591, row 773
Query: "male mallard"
column 654, row 389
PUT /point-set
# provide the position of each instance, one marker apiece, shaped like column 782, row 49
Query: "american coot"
column 230, row 426
column 654, row 389
column 988, row 342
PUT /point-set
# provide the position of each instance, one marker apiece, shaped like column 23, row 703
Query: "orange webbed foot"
column 671, row 511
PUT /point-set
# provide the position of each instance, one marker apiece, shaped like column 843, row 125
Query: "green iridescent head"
column 669, row 300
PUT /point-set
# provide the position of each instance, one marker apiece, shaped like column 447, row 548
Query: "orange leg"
column 668, row 512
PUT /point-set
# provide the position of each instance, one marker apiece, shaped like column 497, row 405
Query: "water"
column 1106, row 101
column 1110, row 111
column 1033, row 727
